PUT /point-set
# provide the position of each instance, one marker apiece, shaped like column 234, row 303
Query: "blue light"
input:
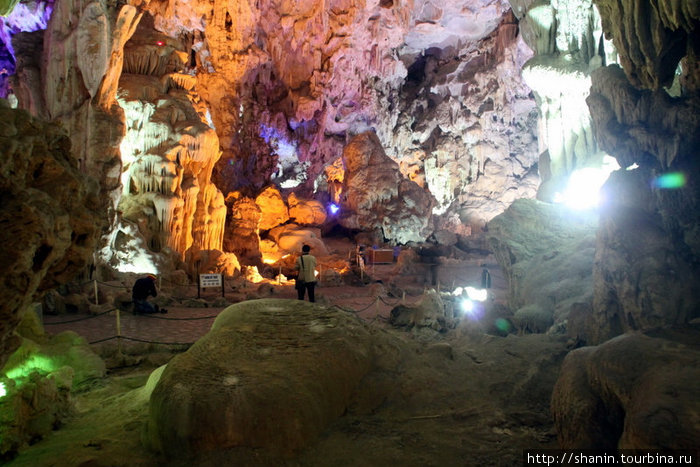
column 334, row 208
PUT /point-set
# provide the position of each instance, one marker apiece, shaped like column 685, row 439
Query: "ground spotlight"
column 467, row 306
column 477, row 295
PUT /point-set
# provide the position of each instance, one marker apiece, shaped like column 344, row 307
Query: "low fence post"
column 96, row 299
column 119, row 333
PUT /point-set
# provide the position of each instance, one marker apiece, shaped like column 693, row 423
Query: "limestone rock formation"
column 242, row 232
column 269, row 377
column 273, row 209
column 652, row 37
column 168, row 152
column 290, row 238
column 38, row 378
column 80, row 67
column 430, row 312
column 636, row 391
column 567, row 39
column 306, row 212
column 648, row 244
column 546, row 253
column 377, row 196
column 643, row 277
column 435, row 82
column 284, row 88
column 49, row 215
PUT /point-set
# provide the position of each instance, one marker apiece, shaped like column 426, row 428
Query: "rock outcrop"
column 546, row 252
column 652, row 37
column 49, row 217
column 636, row 391
column 38, row 379
column 648, row 244
column 269, row 377
column 376, row 195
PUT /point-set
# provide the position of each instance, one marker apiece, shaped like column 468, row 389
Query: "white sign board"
column 210, row 280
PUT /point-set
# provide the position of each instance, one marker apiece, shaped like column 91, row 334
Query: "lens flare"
column 467, row 306
column 669, row 181
column 502, row 325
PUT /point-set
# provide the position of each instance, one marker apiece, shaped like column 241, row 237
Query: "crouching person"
column 144, row 288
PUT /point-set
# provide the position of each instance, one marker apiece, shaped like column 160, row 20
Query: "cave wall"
column 288, row 85
column 284, row 86
column 49, row 216
column 646, row 115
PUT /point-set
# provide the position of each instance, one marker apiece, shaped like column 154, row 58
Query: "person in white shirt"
column 306, row 280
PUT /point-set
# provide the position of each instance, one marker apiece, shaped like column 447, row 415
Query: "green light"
column 3, row 391
column 502, row 325
column 33, row 363
column 669, row 180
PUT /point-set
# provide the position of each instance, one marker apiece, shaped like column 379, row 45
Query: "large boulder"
column 269, row 376
column 429, row 312
column 290, row 238
column 636, row 391
column 307, row 212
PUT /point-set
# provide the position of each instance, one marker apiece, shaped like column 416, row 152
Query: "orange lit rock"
column 216, row 262
column 307, row 212
column 241, row 235
column 168, row 152
column 290, row 238
column 273, row 209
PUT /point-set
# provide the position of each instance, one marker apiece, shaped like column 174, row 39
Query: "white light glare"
column 583, row 189
column 467, row 306
column 477, row 295
column 3, row 391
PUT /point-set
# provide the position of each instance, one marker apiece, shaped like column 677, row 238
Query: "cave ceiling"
column 181, row 109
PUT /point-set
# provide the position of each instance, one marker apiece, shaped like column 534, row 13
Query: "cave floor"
column 460, row 398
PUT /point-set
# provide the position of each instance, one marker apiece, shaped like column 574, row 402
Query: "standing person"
column 306, row 265
column 144, row 288
column 485, row 278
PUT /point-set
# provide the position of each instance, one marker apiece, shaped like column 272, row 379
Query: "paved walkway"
column 184, row 325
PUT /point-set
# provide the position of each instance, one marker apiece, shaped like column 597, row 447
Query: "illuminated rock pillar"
column 568, row 42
